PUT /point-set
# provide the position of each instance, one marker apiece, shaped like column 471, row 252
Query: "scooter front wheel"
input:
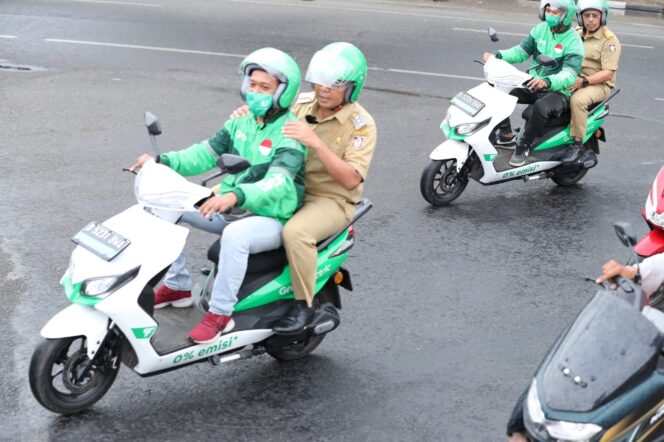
column 64, row 380
column 440, row 183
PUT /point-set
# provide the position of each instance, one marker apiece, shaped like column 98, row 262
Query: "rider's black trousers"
column 548, row 109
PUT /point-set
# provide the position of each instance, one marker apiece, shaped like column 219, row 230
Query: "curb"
column 635, row 7
column 626, row 6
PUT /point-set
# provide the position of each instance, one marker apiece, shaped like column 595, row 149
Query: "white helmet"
column 598, row 5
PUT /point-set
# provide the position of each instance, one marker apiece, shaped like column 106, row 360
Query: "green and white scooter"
column 110, row 281
column 471, row 150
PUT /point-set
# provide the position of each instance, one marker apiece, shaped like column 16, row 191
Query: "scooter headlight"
column 104, row 286
column 538, row 425
column 470, row 128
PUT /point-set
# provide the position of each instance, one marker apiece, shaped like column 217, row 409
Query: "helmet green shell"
column 337, row 65
column 568, row 6
column 279, row 65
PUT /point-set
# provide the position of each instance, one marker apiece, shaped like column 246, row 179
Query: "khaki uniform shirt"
column 602, row 52
column 351, row 134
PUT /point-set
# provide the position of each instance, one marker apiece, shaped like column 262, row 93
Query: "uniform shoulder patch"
column 358, row 120
column 306, row 97
column 608, row 33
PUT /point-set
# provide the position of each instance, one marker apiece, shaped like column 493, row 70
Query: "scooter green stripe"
column 73, row 292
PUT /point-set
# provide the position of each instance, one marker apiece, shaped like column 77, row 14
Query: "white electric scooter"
column 471, row 150
column 110, row 281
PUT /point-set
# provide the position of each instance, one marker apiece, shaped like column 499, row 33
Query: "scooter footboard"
column 78, row 320
column 451, row 150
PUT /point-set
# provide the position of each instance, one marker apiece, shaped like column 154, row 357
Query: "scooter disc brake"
column 70, row 373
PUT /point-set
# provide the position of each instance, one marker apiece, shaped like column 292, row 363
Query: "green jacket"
column 566, row 48
column 274, row 184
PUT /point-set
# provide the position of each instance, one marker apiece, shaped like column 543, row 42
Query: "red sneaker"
column 210, row 328
column 164, row 296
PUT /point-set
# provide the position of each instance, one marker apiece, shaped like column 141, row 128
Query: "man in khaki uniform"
column 598, row 74
column 341, row 137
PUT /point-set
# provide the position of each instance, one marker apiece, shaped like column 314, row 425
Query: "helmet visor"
column 329, row 70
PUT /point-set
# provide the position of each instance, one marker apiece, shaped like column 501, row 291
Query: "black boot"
column 297, row 317
column 573, row 152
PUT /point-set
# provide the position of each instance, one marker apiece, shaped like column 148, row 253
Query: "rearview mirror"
column 625, row 234
column 233, row 163
column 493, row 35
column 152, row 123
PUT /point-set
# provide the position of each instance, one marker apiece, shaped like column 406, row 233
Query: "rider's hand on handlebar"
column 612, row 269
column 536, row 84
column 241, row 111
column 487, row 55
column 140, row 161
column 218, row 203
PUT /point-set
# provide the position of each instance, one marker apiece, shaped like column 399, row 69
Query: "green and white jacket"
column 566, row 48
column 274, row 184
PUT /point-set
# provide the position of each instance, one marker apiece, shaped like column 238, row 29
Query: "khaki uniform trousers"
column 316, row 220
column 579, row 103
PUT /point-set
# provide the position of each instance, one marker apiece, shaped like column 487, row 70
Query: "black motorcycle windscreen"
column 609, row 343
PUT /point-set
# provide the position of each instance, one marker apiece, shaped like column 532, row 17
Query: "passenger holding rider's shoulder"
column 598, row 74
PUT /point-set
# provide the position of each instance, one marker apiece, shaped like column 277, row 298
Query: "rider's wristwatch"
column 585, row 82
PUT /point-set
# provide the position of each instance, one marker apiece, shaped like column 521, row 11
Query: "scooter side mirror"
column 233, row 163
column 152, row 123
column 625, row 234
column 493, row 35
column 545, row 60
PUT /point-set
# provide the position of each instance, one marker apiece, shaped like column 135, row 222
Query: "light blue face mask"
column 552, row 20
column 259, row 104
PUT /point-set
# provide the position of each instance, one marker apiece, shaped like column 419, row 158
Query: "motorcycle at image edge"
column 653, row 242
column 603, row 378
column 110, row 282
column 470, row 128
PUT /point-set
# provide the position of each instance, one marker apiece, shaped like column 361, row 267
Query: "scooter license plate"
column 101, row 241
column 467, row 103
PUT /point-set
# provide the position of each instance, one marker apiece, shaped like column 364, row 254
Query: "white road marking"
column 484, row 31
column 225, row 54
column 659, row 99
column 428, row 74
column 149, row 48
column 150, row 5
column 7, row 36
column 636, row 46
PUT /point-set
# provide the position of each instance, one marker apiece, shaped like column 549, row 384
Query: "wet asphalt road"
column 453, row 307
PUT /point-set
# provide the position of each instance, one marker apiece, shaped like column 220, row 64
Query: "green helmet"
column 278, row 64
column 568, row 7
column 599, row 5
column 339, row 64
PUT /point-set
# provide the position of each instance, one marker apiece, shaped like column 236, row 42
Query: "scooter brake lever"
column 478, row 61
column 124, row 169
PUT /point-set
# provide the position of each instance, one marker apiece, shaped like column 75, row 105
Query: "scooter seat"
column 258, row 263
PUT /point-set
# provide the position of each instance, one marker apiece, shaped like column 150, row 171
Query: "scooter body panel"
column 78, row 320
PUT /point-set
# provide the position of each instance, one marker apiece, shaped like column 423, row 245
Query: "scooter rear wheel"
column 299, row 350
column 440, row 183
column 55, row 374
column 569, row 179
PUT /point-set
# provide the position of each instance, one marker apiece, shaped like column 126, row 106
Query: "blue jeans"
column 241, row 238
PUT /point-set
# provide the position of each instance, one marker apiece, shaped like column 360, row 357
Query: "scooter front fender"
column 651, row 244
column 451, row 150
column 78, row 320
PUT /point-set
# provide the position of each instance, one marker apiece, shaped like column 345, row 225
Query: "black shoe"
column 573, row 152
column 520, row 155
column 297, row 317
column 505, row 142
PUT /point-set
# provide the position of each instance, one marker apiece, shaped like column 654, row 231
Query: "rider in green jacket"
column 547, row 91
column 272, row 189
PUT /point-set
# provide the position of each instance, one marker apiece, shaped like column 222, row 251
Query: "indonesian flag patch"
column 558, row 48
column 265, row 147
